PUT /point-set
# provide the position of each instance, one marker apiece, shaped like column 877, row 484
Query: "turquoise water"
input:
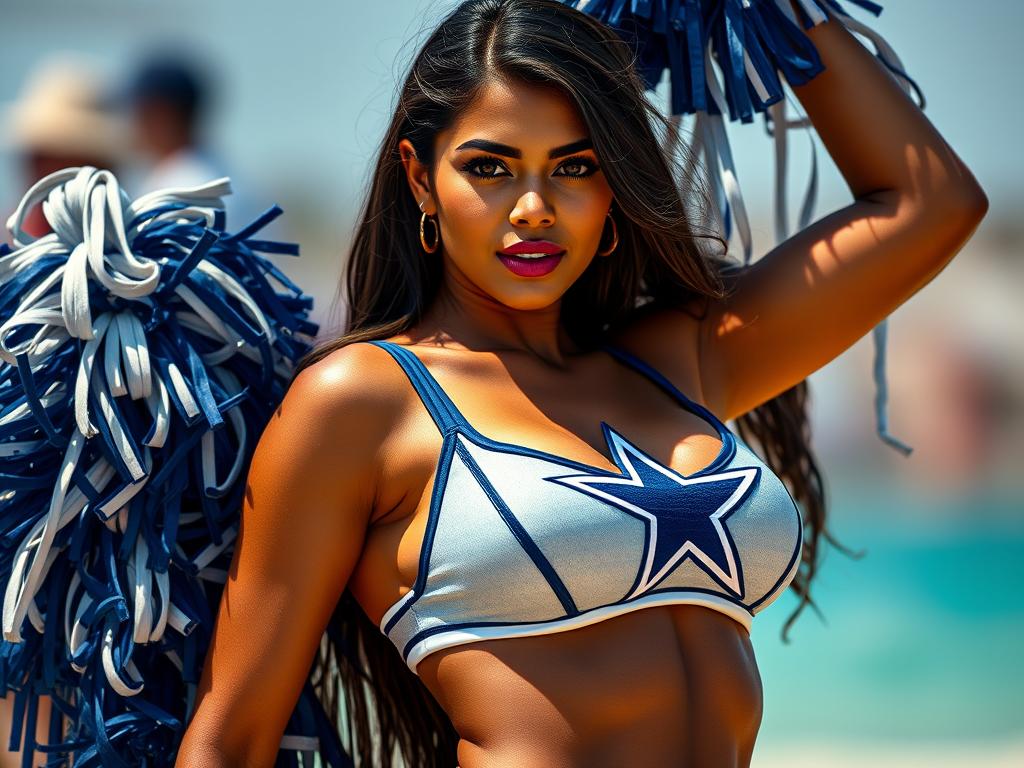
column 923, row 640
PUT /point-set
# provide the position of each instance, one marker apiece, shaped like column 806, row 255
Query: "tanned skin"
column 340, row 484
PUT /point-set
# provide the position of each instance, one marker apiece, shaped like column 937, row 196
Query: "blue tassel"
column 142, row 351
column 752, row 42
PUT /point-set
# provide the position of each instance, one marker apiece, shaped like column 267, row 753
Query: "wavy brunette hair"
column 662, row 261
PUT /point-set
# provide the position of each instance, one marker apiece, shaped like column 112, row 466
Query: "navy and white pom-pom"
column 730, row 57
column 143, row 351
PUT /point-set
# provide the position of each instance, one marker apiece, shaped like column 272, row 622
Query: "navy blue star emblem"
column 684, row 515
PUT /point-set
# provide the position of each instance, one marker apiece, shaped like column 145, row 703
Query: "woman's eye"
column 578, row 168
column 483, row 167
column 489, row 168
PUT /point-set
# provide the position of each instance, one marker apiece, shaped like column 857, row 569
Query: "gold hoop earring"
column 437, row 234
column 615, row 237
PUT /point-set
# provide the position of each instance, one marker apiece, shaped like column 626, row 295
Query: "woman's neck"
column 468, row 317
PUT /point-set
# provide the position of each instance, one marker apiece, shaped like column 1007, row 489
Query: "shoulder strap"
column 662, row 381
column 442, row 410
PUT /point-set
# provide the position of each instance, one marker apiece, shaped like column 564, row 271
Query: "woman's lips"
column 532, row 247
column 526, row 266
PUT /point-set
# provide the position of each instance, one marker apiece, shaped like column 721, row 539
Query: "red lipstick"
column 522, row 258
column 533, row 246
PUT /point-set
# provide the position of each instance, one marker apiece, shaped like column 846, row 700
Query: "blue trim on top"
column 450, row 419
column 427, row 545
column 524, row 539
column 797, row 549
column 454, row 626
column 442, row 410
column 728, row 448
column 452, row 423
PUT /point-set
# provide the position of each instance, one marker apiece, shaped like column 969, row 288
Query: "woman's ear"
column 417, row 174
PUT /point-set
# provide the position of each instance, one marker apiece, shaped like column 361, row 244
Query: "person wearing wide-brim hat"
column 62, row 119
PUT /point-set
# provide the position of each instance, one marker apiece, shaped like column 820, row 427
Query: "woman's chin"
column 528, row 299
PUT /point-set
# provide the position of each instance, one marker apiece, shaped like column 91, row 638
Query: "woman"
column 538, row 423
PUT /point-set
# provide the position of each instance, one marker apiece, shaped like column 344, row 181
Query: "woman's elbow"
column 199, row 750
column 971, row 202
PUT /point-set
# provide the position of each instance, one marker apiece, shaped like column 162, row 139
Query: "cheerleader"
column 501, row 520
column 508, row 491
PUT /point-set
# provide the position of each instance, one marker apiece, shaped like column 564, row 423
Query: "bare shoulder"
column 333, row 423
column 352, row 375
column 669, row 340
column 357, row 388
column 309, row 497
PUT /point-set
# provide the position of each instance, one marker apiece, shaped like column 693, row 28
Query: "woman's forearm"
column 880, row 140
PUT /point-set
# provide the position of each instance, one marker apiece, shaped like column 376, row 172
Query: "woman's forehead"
column 527, row 116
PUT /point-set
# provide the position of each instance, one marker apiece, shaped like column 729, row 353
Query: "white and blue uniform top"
column 524, row 542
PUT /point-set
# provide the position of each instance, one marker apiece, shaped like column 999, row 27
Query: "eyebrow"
column 507, row 151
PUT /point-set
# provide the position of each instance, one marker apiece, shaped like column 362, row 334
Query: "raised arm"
column 307, row 504
column 811, row 297
column 804, row 302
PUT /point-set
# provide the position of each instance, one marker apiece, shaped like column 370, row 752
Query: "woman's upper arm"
column 812, row 296
column 308, row 500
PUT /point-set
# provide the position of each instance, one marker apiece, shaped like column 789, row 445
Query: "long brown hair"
column 663, row 259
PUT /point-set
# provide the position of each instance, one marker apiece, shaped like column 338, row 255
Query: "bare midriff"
column 661, row 686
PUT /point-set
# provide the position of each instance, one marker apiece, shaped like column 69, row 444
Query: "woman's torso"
column 662, row 685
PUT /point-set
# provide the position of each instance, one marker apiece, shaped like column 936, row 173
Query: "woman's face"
column 516, row 166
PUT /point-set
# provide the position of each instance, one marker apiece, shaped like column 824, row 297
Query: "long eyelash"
column 483, row 160
column 471, row 165
column 581, row 160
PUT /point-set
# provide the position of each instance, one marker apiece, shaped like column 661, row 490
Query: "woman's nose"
column 531, row 210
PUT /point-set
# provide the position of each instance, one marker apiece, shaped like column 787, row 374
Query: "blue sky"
column 309, row 85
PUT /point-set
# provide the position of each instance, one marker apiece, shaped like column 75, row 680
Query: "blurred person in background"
column 61, row 120
column 168, row 100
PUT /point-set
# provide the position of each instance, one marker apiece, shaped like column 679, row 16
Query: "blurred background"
column 917, row 660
